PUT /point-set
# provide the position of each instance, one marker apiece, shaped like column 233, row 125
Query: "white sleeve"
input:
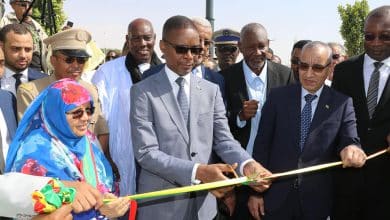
column 15, row 193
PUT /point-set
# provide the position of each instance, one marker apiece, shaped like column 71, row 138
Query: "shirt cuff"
column 243, row 165
column 194, row 181
column 240, row 123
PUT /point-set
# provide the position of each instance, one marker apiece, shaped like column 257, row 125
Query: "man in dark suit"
column 303, row 125
column 365, row 193
column 17, row 44
column 247, row 84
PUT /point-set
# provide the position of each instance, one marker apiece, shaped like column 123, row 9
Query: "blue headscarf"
column 45, row 145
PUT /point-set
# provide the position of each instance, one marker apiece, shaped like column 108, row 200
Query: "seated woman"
column 53, row 140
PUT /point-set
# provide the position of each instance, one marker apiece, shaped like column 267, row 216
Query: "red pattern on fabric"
column 33, row 168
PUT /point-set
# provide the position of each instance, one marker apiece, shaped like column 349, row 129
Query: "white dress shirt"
column 197, row 71
column 257, row 89
column 368, row 69
column 8, row 81
column 143, row 67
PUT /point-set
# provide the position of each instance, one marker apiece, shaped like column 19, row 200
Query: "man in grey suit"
column 176, row 128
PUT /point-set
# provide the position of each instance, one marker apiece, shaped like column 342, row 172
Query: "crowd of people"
column 139, row 122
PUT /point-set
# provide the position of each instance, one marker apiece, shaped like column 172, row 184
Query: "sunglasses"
column 315, row 67
column 336, row 56
column 382, row 37
column 80, row 112
column 230, row 49
column 197, row 50
column 22, row 4
column 70, row 60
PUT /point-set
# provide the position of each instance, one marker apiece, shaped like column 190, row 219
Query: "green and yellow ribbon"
column 235, row 181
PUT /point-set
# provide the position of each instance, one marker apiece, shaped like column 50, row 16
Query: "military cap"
column 12, row 1
column 71, row 42
column 226, row 36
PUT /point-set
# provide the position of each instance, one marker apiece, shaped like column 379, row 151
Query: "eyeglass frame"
column 222, row 48
column 317, row 68
column 372, row 37
column 182, row 47
column 80, row 112
column 70, row 59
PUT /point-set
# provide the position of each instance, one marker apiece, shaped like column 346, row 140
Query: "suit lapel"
column 240, row 82
column 195, row 102
column 271, row 77
column 169, row 100
column 322, row 112
column 384, row 97
column 294, row 111
column 358, row 81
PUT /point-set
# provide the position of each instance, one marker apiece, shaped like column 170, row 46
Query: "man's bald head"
column 141, row 39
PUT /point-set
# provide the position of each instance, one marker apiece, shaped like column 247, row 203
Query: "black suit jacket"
column 373, row 180
column 236, row 91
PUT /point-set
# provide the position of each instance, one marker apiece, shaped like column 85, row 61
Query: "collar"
column 9, row 73
column 172, row 76
column 317, row 93
column 370, row 62
column 250, row 76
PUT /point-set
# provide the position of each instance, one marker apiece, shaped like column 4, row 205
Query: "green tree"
column 352, row 25
column 41, row 7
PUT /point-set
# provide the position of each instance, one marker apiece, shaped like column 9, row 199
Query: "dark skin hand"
column 249, row 109
column 215, row 172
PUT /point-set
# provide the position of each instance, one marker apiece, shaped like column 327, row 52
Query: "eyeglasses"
column 230, row 49
column 22, row 4
column 382, row 37
column 141, row 37
column 315, row 67
column 70, row 60
column 207, row 42
column 80, row 112
column 336, row 56
column 184, row 49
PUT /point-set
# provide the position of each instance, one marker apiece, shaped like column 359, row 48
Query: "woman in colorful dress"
column 53, row 140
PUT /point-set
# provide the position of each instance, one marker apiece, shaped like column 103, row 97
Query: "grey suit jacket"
column 167, row 152
column 7, row 106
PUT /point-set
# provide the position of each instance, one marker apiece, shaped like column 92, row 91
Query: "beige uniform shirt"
column 28, row 91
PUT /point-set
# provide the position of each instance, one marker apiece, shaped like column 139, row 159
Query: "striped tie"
column 372, row 93
column 182, row 99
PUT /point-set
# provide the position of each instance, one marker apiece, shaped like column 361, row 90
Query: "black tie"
column 372, row 93
column 17, row 77
column 182, row 99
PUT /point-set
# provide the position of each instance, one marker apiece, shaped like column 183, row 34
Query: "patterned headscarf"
column 44, row 144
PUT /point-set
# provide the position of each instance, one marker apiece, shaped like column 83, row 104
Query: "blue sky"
column 286, row 21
